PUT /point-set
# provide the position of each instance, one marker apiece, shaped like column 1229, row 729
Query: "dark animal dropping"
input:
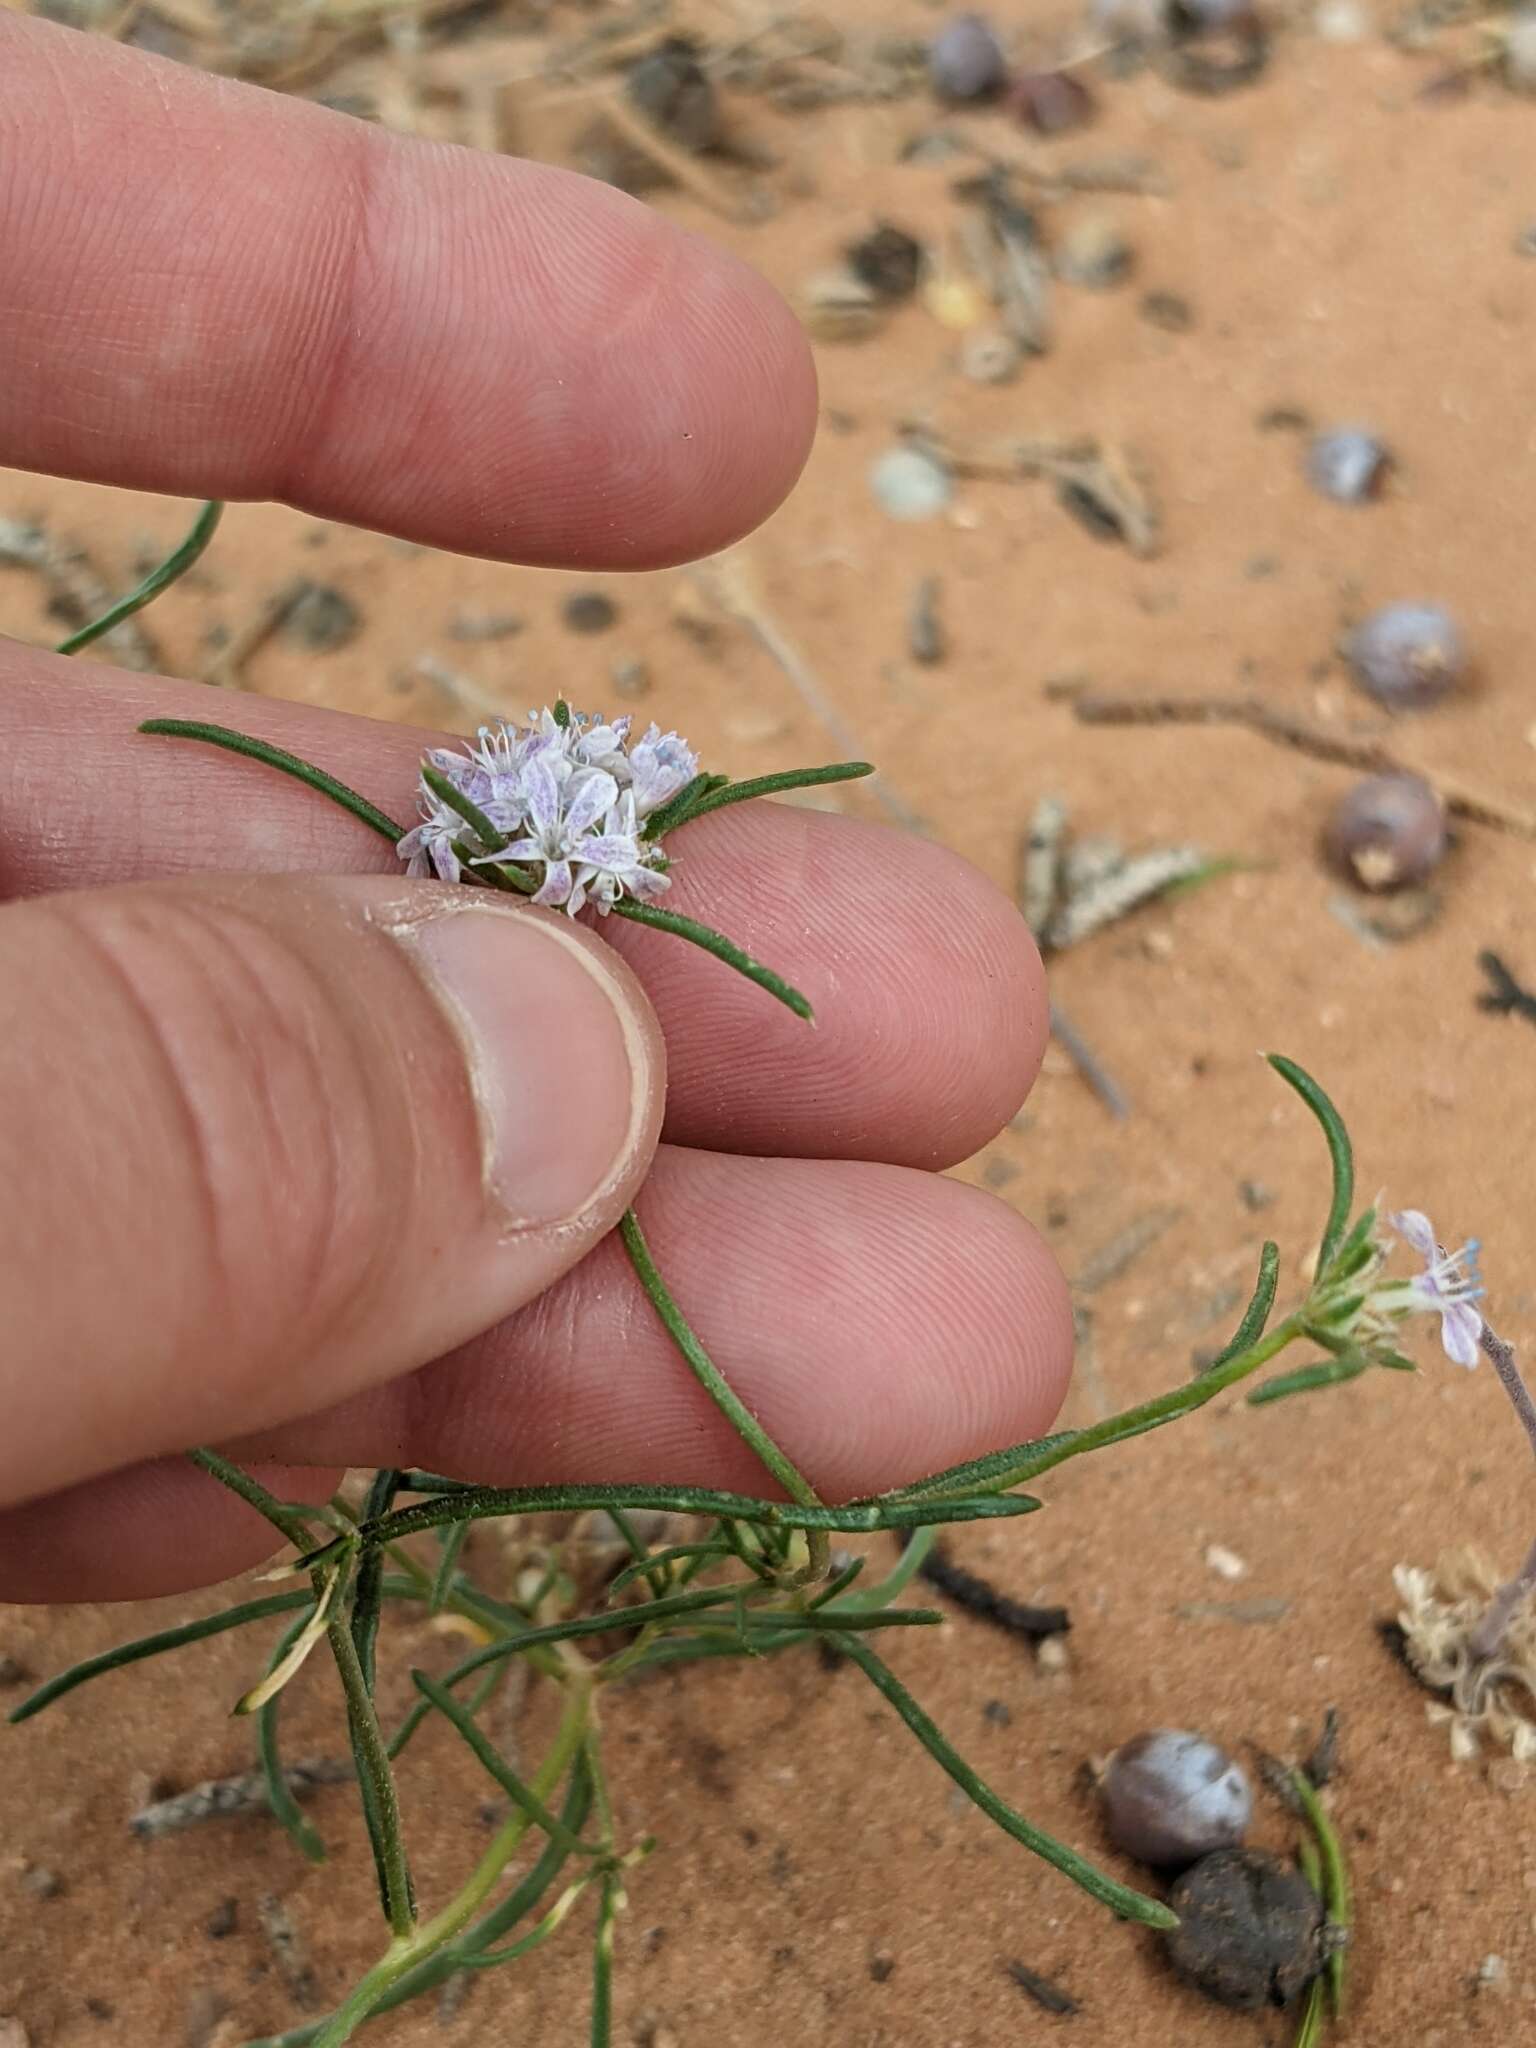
column 1250, row 1930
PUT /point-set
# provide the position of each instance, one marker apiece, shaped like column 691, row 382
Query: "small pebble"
column 1388, row 832
column 1347, row 464
column 1167, row 310
column 1170, row 1797
column 41, row 1882
column 888, row 260
column 588, row 611
column 672, row 89
column 999, row 1713
column 1226, row 1564
column 1407, row 656
column 1342, row 21
column 989, row 356
column 1250, row 1929
column 1050, row 102
column 909, row 484
column 927, row 641
column 321, row 618
column 223, row 1920
column 965, row 59
column 631, row 680
column 12, row 1671
column 1095, row 255
column 1525, row 241
column 12, row 2033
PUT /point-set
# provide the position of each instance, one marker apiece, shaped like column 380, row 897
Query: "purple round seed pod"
column 1347, row 464
column 965, row 59
column 1170, row 1797
column 1388, row 832
column 1407, row 656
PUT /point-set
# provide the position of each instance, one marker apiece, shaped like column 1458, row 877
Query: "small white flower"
column 661, row 764
column 1446, row 1286
column 569, row 798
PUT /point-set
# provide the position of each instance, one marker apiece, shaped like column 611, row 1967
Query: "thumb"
column 264, row 1142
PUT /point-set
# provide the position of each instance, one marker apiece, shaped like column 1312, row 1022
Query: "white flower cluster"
column 570, row 795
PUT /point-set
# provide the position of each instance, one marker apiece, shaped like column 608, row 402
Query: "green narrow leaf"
column 698, row 1554
column 1132, row 1905
column 175, row 565
column 286, row 763
column 844, row 1579
column 772, row 785
column 285, row 1808
column 1256, row 1314
column 680, row 808
column 156, row 1645
column 493, row 1762
column 511, row 875
column 1331, row 1372
column 452, row 1542
column 704, row 1369
column 1339, row 1151
column 978, row 1471
column 368, row 1590
column 723, row 949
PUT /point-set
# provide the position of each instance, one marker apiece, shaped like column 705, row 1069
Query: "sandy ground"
column 1348, row 251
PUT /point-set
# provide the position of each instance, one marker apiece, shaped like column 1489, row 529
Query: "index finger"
column 213, row 291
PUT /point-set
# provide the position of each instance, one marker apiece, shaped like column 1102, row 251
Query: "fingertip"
column 152, row 1529
column 971, row 1265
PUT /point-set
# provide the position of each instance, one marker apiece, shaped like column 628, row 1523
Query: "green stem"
column 291, row 1522
column 377, row 1779
column 1005, row 1470
column 1335, row 1887
column 175, row 565
column 602, row 1961
column 856, row 1518
column 408, row 1950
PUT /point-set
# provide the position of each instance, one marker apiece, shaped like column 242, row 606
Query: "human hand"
column 254, row 1188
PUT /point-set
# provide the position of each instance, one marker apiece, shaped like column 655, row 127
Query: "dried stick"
column 1271, row 723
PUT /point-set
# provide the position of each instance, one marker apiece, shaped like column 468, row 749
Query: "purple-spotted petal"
column 1460, row 1328
column 556, row 886
column 542, row 791
column 595, row 795
column 1415, row 1227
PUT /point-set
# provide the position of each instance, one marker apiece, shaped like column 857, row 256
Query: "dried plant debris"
column 1505, row 996
column 1068, row 892
column 1481, row 1703
column 289, row 1952
column 1045, row 1993
column 226, row 1798
column 77, row 591
column 980, row 1597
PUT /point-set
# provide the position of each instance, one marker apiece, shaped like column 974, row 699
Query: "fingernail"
column 557, row 1059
